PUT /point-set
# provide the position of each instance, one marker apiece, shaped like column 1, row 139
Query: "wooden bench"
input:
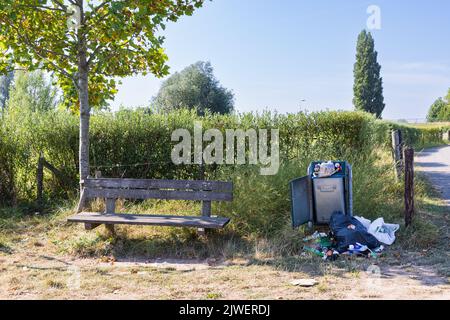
column 113, row 189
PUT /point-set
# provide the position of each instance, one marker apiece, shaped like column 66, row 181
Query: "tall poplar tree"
column 368, row 85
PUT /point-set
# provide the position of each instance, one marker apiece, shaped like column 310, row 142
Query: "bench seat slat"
column 223, row 186
column 144, row 219
column 158, row 194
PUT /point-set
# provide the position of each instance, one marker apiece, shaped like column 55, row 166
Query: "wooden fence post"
column 40, row 180
column 409, row 185
column 58, row 174
column 401, row 144
column 397, row 153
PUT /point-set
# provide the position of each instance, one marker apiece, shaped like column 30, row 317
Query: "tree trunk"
column 83, row 95
column 84, row 125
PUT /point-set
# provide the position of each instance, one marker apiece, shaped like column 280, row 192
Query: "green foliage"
column 88, row 245
column 261, row 204
column 419, row 137
column 7, row 158
column 439, row 110
column 32, row 92
column 87, row 44
column 27, row 134
column 116, row 38
column 138, row 145
column 194, row 87
column 5, row 83
column 435, row 110
column 423, row 233
column 445, row 114
column 368, row 84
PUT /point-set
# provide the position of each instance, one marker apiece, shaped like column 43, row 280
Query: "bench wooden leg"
column 206, row 212
column 82, row 201
column 201, row 232
column 90, row 226
column 110, row 208
column 110, row 229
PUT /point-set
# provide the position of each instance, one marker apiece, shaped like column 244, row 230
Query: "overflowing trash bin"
column 327, row 188
column 324, row 197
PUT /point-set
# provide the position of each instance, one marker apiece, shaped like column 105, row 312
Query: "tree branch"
column 60, row 4
column 101, row 5
column 30, row 6
column 35, row 49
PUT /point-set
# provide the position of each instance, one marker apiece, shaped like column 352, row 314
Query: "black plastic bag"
column 348, row 230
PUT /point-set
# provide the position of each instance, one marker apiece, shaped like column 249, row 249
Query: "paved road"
column 435, row 164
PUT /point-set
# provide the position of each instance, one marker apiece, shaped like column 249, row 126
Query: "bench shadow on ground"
column 200, row 255
column 217, row 250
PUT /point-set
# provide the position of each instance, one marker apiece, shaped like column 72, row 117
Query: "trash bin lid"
column 301, row 201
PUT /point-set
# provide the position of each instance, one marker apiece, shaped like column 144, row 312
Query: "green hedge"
column 7, row 155
column 136, row 144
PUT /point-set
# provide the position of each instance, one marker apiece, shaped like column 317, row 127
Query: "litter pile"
column 351, row 236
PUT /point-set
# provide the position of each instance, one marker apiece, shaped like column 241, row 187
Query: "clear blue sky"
column 274, row 53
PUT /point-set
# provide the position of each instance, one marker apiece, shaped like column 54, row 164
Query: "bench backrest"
column 115, row 188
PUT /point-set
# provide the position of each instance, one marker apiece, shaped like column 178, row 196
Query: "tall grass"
column 136, row 144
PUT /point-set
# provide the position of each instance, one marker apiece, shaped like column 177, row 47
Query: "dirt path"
column 28, row 275
column 35, row 270
column 435, row 164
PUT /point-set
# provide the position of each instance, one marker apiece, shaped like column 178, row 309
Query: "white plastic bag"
column 384, row 232
column 326, row 169
column 365, row 222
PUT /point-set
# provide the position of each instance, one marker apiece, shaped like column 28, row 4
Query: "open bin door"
column 301, row 201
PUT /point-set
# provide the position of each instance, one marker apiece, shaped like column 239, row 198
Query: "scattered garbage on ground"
column 384, row 232
column 304, row 282
column 348, row 231
column 349, row 236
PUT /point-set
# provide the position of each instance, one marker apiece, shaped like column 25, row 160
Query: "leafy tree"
column 368, row 84
column 445, row 113
column 448, row 96
column 440, row 109
column 194, row 87
column 32, row 91
column 87, row 44
column 436, row 109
